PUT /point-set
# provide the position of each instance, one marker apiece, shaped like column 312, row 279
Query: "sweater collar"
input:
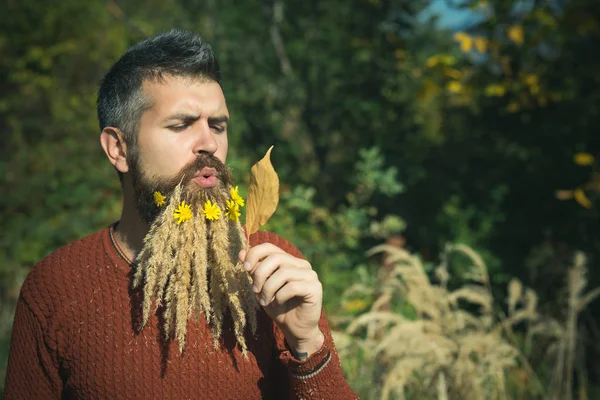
column 112, row 249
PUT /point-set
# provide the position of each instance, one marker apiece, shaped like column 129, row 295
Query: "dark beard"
column 144, row 187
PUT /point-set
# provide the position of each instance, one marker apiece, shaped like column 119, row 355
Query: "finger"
column 310, row 291
column 266, row 268
column 257, row 253
column 282, row 276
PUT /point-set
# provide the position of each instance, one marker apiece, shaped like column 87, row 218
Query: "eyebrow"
column 181, row 117
column 221, row 119
column 194, row 117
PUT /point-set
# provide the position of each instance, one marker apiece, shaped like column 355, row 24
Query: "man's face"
column 183, row 135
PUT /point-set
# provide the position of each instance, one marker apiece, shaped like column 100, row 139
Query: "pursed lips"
column 206, row 178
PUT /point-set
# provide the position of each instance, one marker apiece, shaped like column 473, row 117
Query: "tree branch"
column 277, row 41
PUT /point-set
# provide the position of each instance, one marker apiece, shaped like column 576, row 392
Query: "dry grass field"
column 422, row 337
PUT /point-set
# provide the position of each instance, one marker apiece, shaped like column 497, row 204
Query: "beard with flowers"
column 188, row 263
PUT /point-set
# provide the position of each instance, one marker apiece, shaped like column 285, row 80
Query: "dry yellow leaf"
column 263, row 194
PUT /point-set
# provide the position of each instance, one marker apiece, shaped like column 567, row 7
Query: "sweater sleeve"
column 320, row 376
column 32, row 371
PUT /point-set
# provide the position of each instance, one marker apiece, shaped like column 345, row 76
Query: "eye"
column 178, row 128
column 218, row 128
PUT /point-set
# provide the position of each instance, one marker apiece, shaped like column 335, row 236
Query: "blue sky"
column 449, row 17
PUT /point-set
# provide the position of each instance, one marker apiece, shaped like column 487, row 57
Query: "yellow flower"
column 183, row 213
column 159, row 199
column 583, row 159
column 233, row 210
column 211, row 211
column 235, row 196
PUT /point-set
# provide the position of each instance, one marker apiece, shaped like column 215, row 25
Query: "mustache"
column 144, row 187
column 188, row 172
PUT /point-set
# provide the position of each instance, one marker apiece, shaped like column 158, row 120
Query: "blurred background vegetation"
column 415, row 123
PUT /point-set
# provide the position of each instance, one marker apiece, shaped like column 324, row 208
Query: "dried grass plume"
column 192, row 269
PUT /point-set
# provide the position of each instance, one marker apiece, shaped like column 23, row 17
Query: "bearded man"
column 164, row 303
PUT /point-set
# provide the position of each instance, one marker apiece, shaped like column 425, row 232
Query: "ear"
column 113, row 143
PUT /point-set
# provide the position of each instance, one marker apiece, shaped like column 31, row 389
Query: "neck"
column 131, row 230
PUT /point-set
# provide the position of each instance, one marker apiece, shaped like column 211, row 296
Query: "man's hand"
column 290, row 293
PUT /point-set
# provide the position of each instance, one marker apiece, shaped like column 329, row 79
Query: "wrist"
column 303, row 348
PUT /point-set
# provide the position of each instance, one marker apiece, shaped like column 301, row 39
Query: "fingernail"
column 262, row 302
column 247, row 266
column 255, row 289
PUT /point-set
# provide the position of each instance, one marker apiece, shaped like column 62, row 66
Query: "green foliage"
column 332, row 239
column 384, row 126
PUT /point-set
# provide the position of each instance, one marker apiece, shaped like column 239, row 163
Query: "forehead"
column 184, row 95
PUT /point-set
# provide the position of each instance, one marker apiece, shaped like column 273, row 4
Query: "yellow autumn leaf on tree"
column 495, row 90
column 581, row 198
column 442, row 59
column 465, row 41
column 481, row 44
column 513, row 107
column 432, row 61
column 533, row 81
column 516, row 34
column 263, row 194
column 545, row 17
column 454, row 87
column 452, row 73
column 583, row 159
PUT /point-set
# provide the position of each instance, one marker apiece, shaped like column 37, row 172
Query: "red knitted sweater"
column 74, row 338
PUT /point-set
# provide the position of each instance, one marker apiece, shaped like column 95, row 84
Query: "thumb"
column 242, row 255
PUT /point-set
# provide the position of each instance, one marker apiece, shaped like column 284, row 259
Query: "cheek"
column 164, row 158
column 221, row 153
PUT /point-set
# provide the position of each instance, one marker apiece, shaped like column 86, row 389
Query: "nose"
column 204, row 140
